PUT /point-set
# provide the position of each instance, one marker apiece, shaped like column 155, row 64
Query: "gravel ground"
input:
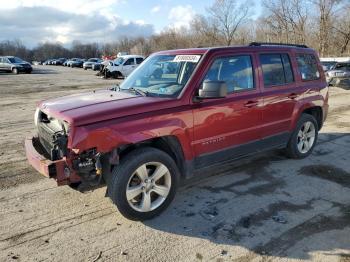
column 267, row 208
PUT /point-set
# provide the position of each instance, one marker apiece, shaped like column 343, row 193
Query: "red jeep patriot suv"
column 179, row 112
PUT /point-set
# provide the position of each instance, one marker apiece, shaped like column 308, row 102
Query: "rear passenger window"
column 307, row 66
column 236, row 71
column 277, row 69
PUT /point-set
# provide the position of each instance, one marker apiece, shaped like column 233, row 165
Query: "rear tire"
column 303, row 138
column 144, row 183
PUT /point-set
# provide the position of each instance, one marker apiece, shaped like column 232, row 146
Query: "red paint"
column 108, row 119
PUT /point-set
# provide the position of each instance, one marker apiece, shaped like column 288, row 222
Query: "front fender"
column 111, row 134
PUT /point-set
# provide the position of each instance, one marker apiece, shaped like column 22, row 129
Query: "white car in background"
column 90, row 62
column 339, row 70
column 124, row 65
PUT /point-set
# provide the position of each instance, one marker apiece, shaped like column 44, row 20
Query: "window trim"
column 318, row 69
column 233, row 55
column 284, row 72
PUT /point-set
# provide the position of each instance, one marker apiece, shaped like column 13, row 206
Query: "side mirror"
column 213, row 89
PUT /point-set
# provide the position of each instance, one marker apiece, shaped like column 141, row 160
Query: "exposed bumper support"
column 48, row 168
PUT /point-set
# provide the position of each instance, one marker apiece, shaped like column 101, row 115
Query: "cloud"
column 72, row 6
column 181, row 16
column 155, row 9
column 42, row 23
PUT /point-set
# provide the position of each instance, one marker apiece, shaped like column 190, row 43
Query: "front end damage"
column 49, row 154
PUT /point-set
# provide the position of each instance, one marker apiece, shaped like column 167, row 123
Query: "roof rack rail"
column 281, row 44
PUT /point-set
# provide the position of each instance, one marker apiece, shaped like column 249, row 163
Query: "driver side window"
column 236, row 71
column 130, row 61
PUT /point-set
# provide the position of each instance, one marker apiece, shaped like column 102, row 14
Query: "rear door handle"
column 251, row 104
column 292, row 96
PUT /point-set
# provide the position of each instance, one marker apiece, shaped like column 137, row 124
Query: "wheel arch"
column 168, row 144
column 317, row 113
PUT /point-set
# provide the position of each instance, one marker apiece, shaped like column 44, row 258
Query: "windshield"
column 119, row 61
column 15, row 60
column 162, row 75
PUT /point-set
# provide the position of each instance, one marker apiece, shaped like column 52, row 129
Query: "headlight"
column 36, row 117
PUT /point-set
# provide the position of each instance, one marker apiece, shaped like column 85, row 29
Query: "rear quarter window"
column 307, row 67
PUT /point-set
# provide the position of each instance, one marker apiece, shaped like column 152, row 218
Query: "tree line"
column 321, row 24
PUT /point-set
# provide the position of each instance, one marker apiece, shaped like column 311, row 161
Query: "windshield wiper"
column 138, row 91
column 116, row 87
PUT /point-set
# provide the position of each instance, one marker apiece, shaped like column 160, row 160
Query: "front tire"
column 144, row 183
column 303, row 138
column 15, row 71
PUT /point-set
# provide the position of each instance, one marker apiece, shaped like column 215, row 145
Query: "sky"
column 36, row 21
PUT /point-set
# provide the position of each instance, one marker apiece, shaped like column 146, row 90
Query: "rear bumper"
column 57, row 170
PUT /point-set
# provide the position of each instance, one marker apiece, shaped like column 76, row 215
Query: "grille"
column 46, row 138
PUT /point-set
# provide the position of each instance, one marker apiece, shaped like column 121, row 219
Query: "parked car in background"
column 90, row 62
column 100, row 65
column 96, row 66
column 14, row 64
column 59, row 61
column 179, row 113
column 328, row 65
column 123, row 65
column 339, row 71
column 77, row 63
column 70, row 61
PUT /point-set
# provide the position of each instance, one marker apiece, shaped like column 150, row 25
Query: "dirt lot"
column 269, row 208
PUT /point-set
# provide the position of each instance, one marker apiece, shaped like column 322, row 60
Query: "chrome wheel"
column 148, row 187
column 306, row 137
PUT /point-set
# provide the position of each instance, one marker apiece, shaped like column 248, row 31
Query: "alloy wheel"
column 306, row 137
column 148, row 187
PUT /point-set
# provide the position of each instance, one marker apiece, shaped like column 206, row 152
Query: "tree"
column 227, row 16
column 287, row 20
column 327, row 9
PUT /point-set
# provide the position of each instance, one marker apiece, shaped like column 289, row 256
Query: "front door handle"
column 251, row 104
column 292, row 96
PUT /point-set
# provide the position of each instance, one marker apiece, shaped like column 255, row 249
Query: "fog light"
column 66, row 172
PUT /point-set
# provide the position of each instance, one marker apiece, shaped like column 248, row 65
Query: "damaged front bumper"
column 58, row 169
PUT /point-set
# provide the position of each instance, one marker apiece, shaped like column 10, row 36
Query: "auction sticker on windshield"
column 187, row 58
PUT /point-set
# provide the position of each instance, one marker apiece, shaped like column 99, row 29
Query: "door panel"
column 235, row 120
column 129, row 66
column 280, row 92
column 228, row 123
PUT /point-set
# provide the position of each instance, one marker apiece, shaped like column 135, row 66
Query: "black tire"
column 15, row 71
column 119, row 75
column 122, row 173
column 85, row 68
column 292, row 147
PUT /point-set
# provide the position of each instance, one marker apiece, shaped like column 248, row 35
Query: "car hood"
column 95, row 106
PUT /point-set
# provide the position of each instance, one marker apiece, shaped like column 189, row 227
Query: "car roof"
column 243, row 48
column 130, row 56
